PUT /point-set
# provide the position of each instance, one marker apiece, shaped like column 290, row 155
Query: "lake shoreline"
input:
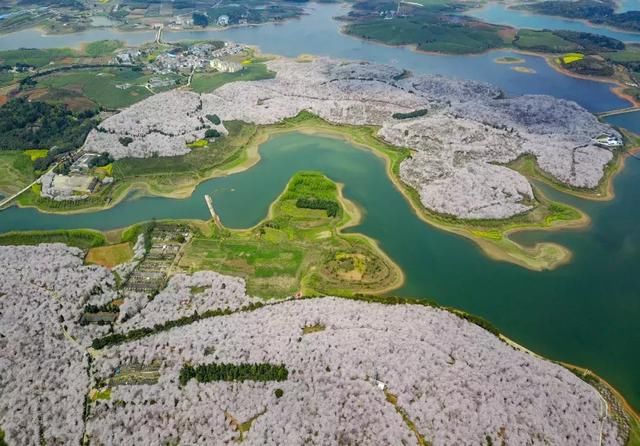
column 617, row 89
column 355, row 217
column 501, row 248
column 585, row 22
column 617, row 86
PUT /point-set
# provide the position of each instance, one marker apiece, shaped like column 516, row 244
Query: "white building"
column 223, row 20
column 225, row 66
column 608, row 141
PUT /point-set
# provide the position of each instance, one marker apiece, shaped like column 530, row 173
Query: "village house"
column 608, row 141
column 225, row 66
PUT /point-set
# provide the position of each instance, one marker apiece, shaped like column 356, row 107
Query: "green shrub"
column 331, row 206
column 211, row 133
column 413, row 114
column 215, row 120
column 233, row 372
column 139, row 333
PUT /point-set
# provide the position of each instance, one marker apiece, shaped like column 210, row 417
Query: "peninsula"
column 204, row 362
column 449, row 144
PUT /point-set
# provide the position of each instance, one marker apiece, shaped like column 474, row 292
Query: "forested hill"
column 596, row 11
column 34, row 125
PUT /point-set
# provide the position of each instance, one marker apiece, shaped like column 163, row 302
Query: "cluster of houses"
column 198, row 57
column 608, row 141
column 78, row 184
column 185, row 21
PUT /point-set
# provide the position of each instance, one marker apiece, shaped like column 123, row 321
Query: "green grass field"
column 169, row 171
column 208, row 82
column 102, row 48
column 81, row 238
column 429, row 34
column 109, row 256
column 571, row 57
column 629, row 54
column 35, row 154
column 108, row 87
column 16, row 171
column 297, row 249
column 545, row 41
column 35, row 57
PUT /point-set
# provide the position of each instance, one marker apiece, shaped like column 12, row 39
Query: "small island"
column 525, row 70
column 509, row 60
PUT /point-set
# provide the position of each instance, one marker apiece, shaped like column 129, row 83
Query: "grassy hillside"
column 298, row 247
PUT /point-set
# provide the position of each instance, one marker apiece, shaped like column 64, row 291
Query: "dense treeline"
column 590, row 41
column 579, row 9
column 560, row 41
column 233, row 372
column 81, row 238
column 38, row 125
column 101, row 160
column 200, row 19
column 30, row 80
column 409, row 115
column 332, row 207
column 590, row 66
column 592, row 10
column 139, row 333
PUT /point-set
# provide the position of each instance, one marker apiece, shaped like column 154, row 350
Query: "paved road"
column 17, row 194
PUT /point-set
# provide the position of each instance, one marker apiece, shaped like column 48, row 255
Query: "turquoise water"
column 585, row 313
column 502, row 15
column 317, row 33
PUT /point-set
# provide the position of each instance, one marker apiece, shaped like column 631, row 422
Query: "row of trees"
column 233, row 372
column 139, row 333
column 409, row 115
column 332, row 207
column 105, row 308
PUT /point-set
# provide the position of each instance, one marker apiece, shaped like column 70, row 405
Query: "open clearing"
column 109, row 256
column 16, row 171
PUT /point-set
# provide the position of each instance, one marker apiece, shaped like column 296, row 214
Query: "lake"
column 318, row 33
column 585, row 313
column 500, row 14
column 629, row 121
